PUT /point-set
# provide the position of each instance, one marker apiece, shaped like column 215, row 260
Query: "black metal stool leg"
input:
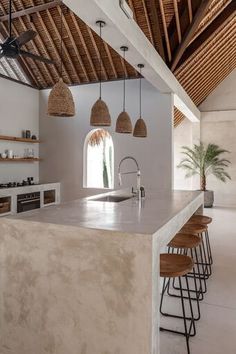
column 201, row 280
column 184, row 316
column 208, row 247
column 206, row 260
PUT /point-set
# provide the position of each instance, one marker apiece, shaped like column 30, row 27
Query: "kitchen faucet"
column 138, row 173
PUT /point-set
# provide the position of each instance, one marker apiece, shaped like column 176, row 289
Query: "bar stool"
column 200, row 230
column 184, row 243
column 203, row 220
column 178, row 266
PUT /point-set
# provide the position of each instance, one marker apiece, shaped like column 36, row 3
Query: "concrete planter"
column 208, row 199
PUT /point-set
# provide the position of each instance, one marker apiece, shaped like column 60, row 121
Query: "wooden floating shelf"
column 20, row 140
column 21, row 159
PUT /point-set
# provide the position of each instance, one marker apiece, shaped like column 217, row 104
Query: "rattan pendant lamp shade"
column 100, row 116
column 123, row 123
column 60, row 101
column 140, row 129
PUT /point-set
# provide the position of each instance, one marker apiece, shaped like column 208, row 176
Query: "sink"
column 112, row 198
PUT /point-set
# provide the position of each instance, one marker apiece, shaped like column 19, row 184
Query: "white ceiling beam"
column 121, row 30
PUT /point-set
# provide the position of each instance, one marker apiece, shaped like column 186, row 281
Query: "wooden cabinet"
column 5, row 205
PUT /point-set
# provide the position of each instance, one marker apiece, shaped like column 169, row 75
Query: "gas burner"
column 24, row 183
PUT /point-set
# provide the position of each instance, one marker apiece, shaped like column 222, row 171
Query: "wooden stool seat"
column 193, row 228
column 200, row 219
column 182, row 240
column 175, row 265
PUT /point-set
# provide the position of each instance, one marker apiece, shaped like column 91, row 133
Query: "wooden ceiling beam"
column 65, row 50
column 45, row 50
column 212, row 86
column 226, row 16
column 107, row 49
column 177, row 21
column 88, row 55
column 157, row 29
column 165, row 30
column 32, row 10
column 207, row 57
column 78, row 56
column 97, row 51
column 212, row 79
column 216, row 9
column 148, row 22
column 55, row 50
column 46, row 53
column 190, row 11
column 198, row 17
column 213, row 71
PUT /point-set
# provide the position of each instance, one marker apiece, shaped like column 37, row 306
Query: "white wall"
column 19, row 107
column 62, row 151
column 219, row 126
column 185, row 134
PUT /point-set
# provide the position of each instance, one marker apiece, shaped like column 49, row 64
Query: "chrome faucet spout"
column 137, row 172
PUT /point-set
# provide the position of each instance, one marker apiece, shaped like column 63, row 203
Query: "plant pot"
column 208, row 199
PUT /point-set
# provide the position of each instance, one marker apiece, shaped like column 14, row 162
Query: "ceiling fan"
column 11, row 47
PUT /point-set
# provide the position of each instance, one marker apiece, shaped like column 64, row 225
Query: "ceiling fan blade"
column 35, row 57
column 25, row 37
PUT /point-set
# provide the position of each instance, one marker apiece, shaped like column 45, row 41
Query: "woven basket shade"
column 100, row 116
column 60, row 101
column 140, row 129
column 123, row 123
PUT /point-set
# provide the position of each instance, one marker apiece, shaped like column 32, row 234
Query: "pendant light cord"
column 140, row 93
column 100, row 64
column 124, row 92
column 61, row 45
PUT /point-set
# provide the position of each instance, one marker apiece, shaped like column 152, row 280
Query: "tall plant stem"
column 203, row 182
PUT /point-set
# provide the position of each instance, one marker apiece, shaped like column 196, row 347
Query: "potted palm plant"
column 204, row 161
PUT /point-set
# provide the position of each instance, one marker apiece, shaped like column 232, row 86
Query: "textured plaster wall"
column 219, row 126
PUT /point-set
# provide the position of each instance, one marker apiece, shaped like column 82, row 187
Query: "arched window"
column 98, row 160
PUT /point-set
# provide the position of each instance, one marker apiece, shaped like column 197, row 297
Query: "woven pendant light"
column 60, row 101
column 123, row 123
column 140, row 129
column 100, row 116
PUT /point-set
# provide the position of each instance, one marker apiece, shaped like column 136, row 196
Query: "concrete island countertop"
column 129, row 216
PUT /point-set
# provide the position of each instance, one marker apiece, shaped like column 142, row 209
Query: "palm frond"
column 205, row 160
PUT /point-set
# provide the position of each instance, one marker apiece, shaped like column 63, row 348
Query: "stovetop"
column 16, row 184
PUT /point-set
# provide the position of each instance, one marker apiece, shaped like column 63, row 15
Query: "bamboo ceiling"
column 196, row 39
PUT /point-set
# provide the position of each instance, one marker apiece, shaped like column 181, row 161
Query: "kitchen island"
column 83, row 277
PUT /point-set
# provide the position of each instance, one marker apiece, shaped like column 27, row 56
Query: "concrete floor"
column 216, row 330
